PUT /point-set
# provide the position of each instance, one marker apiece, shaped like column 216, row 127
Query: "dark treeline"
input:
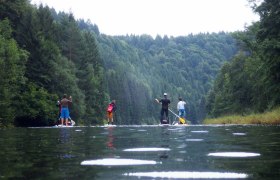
column 42, row 56
column 250, row 83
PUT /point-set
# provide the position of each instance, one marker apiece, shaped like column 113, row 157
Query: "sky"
column 159, row 17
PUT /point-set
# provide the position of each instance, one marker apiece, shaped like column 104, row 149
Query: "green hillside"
column 140, row 69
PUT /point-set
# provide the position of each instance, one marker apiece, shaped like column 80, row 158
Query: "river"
column 141, row 152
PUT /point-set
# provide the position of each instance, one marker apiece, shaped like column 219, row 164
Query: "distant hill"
column 140, row 69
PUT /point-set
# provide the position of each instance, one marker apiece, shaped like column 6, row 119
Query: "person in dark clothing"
column 164, row 109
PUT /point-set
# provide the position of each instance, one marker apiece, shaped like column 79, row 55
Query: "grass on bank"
column 271, row 117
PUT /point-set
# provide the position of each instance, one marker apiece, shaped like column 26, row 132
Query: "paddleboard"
column 69, row 125
column 63, row 126
column 110, row 125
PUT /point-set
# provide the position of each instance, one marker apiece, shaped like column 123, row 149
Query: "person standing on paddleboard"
column 110, row 110
column 181, row 108
column 65, row 115
column 164, row 108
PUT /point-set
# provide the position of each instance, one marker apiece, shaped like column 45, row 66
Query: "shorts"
column 182, row 113
column 64, row 113
column 110, row 115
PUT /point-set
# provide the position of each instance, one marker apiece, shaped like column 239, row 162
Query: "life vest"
column 110, row 108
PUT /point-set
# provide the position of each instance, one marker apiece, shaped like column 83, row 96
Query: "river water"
column 141, row 152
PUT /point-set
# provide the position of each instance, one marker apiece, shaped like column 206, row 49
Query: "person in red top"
column 110, row 110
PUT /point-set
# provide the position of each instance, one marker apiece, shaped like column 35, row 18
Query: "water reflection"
column 199, row 131
column 110, row 140
column 118, row 162
column 186, row 174
column 194, row 140
column 165, row 138
column 234, row 154
column 64, row 134
column 196, row 152
column 239, row 134
column 146, row 149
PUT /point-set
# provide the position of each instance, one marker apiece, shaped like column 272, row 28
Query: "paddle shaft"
column 174, row 113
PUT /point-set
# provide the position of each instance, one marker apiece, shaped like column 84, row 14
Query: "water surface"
column 141, row 152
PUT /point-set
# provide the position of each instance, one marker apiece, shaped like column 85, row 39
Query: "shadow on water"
column 141, row 152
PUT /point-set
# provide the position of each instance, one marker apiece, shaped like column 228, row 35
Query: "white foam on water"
column 78, row 130
column 234, row 154
column 117, row 162
column 146, row 149
column 189, row 174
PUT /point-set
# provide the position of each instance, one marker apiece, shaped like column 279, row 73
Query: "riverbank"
column 271, row 117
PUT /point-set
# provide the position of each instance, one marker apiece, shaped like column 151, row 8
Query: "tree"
column 269, row 38
column 12, row 65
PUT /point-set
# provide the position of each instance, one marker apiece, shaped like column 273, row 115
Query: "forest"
column 140, row 69
column 45, row 54
column 250, row 82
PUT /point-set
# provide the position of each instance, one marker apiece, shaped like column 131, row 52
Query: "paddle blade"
column 182, row 120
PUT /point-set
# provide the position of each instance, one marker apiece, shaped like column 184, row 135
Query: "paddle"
column 182, row 120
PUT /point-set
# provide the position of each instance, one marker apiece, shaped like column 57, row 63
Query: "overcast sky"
column 159, row 17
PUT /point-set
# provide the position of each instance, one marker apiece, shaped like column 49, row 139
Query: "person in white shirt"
column 181, row 107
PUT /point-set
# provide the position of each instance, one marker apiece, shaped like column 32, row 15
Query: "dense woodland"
column 250, row 82
column 140, row 69
column 44, row 54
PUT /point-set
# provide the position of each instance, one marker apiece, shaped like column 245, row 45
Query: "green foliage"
column 140, row 69
column 251, row 81
column 46, row 55
column 34, row 107
column 12, row 65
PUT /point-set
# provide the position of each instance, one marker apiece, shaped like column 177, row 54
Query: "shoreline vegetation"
column 267, row 118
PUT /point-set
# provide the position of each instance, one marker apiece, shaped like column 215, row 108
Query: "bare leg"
column 62, row 119
column 66, row 121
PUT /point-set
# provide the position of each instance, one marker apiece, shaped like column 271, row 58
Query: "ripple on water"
column 117, row 162
column 142, row 130
column 234, row 154
column 186, row 174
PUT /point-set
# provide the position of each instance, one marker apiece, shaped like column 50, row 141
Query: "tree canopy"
column 250, row 82
column 45, row 55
